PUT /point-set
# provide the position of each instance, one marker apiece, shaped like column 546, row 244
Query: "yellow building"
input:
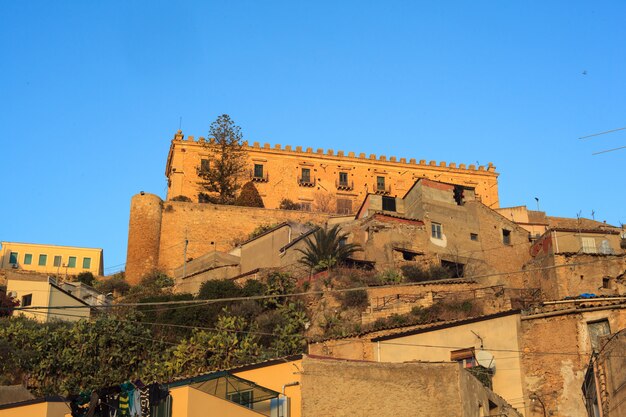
column 322, row 180
column 269, row 388
column 33, row 290
column 38, row 407
column 51, row 259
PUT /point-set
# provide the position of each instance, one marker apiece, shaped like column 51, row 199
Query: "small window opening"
column 459, row 196
column 506, row 237
column 606, row 282
column 474, row 237
column 27, row 300
column 205, row 165
column 258, row 171
column 454, row 268
column 389, row 204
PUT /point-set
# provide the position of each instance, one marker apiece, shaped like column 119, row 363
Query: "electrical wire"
column 332, row 290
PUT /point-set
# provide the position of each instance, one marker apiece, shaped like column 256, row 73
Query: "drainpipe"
column 378, row 351
column 290, row 384
column 288, row 401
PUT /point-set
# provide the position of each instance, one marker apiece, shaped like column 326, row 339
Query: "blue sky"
column 92, row 92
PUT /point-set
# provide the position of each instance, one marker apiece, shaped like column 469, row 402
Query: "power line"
column 603, row 133
column 302, row 294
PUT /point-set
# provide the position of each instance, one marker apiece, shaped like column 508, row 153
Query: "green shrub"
column 389, row 276
column 85, row 278
column 354, row 299
column 181, row 198
column 249, row 196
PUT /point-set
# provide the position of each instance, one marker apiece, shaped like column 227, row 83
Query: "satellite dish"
column 485, row 359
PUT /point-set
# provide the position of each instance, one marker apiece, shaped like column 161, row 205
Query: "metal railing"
column 344, row 185
column 306, row 182
column 264, row 177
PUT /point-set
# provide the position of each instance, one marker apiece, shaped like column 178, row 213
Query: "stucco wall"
column 275, row 377
column 42, row 409
column 342, row 388
column 50, row 251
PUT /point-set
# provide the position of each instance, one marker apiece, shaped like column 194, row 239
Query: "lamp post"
column 535, row 398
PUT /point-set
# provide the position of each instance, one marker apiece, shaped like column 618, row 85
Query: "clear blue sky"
column 92, row 92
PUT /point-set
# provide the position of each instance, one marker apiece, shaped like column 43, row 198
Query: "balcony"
column 344, row 185
column 259, row 176
column 382, row 189
column 306, row 182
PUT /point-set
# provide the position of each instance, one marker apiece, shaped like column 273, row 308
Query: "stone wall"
column 556, row 350
column 158, row 230
column 354, row 388
column 282, row 166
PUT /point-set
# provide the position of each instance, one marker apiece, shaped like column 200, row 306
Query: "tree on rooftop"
column 327, row 248
column 227, row 160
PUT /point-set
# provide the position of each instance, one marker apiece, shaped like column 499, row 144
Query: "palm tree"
column 327, row 248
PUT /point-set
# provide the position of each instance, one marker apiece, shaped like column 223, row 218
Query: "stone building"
column 605, row 380
column 439, row 221
column 305, row 176
column 540, row 356
column 166, row 234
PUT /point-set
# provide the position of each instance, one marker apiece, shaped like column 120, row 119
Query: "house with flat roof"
column 51, row 259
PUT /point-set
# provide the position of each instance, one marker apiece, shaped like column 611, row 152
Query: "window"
column 57, row 260
column 71, row 262
column 464, row 356
column 305, row 205
column 205, row 165
column 13, row 258
column 506, row 237
column 258, row 171
column 589, row 245
column 343, row 179
column 435, row 229
column 597, row 329
column 306, row 175
column 86, row 263
column 244, row 398
column 26, row 300
column 344, row 206
column 389, row 204
column 380, row 183
column 28, row 259
column 474, row 237
column 43, row 260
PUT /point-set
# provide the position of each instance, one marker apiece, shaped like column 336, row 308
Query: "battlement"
column 341, row 155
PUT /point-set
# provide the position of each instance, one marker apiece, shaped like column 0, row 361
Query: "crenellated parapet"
column 342, row 155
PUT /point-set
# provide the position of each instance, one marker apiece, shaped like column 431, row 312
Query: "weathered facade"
column 605, row 381
column 164, row 235
column 354, row 388
column 539, row 355
column 441, row 221
column 304, row 175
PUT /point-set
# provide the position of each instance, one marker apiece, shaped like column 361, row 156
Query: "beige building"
column 305, row 175
column 569, row 262
column 442, row 221
column 343, row 388
column 52, row 406
column 539, row 357
column 51, row 259
column 42, row 298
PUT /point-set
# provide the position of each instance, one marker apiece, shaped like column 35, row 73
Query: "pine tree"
column 249, row 196
column 227, row 161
